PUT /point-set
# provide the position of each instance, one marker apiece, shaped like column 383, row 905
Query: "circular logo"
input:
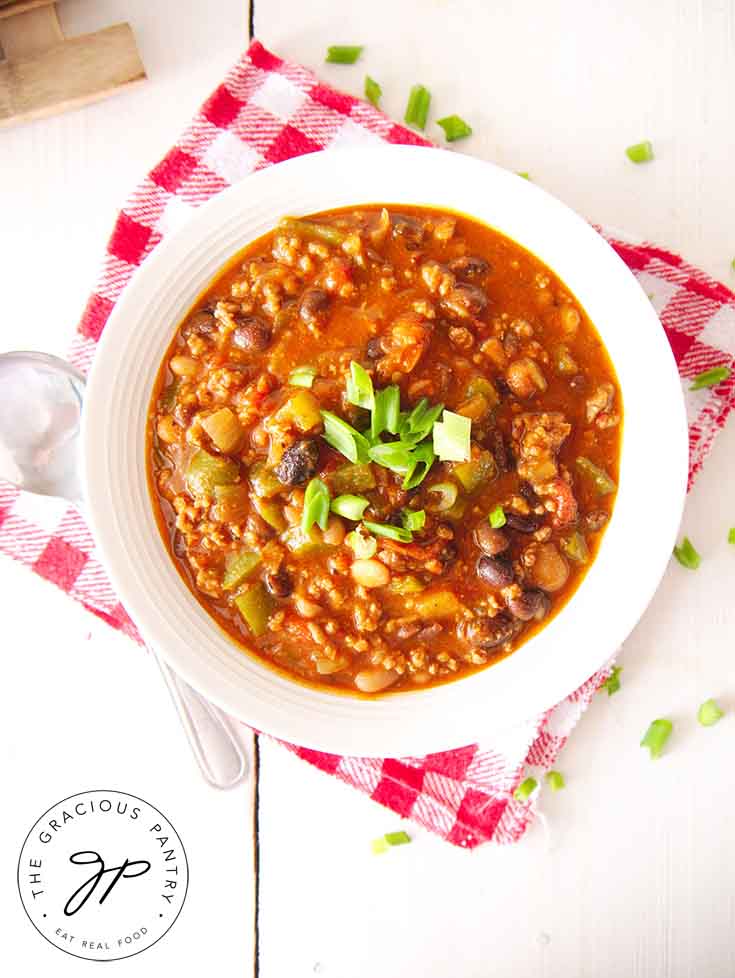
column 103, row 875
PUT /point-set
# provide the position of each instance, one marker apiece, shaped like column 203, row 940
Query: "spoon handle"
column 216, row 747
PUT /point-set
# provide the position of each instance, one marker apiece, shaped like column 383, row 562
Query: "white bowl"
column 635, row 548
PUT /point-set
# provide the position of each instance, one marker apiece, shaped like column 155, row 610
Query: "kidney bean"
column 488, row 633
column 251, row 334
column 495, row 571
column 528, row 605
column 523, row 523
column 202, row 322
column 279, row 584
column 469, row 267
column 490, row 540
column 314, row 306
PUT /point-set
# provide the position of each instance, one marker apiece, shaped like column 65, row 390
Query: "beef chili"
column 384, row 447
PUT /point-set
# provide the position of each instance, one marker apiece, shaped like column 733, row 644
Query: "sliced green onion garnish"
column 343, row 54
column 302, row 376
column 385, row 842
column 361, row 544
column 656, row 736
column 351, row 507
column 454, row 128
column 732, row 264
column 452, row 437
column 445, row 496
column 360, row 387
column 612, row 683
column 417, row 110
column 497, row 518
column 414, row 519
column 731, row 535
column 389, row 531
column 708, row 378
column 416, row 425
column 393, row 455
column 640, row 152
column 687, row 555
column 373, row 91
column 386, row 411
column 524, row 174
column 709, row 713
column 346, row 439
column 316, row 506
column 422, row 458
column 555, row 780
column 524, row 790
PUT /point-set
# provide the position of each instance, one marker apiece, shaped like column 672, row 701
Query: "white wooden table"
column 634, row 878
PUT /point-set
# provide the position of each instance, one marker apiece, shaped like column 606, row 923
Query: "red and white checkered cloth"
column 265, row 111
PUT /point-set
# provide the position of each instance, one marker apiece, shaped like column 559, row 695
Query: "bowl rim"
column 486, row 703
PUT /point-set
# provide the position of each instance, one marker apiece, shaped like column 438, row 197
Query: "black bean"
column 375, row 348
column 279, row 584
column 488, row 633
column 448, row 553
column 490, row 540
column 523, row 524
column 501, row 454
column 528, row 605
column 495, row 571
column 299, row 463
column 469, row 267
column 314, row 306
column 251, row 334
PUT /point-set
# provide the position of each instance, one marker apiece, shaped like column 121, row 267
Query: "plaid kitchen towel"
column 268, row 110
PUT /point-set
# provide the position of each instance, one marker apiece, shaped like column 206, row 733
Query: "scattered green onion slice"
column 360, row 387
column 343, row 54
column 351, row 507
column 344, row 438
column 555, row 780
column 385, row 842
column 316, row 506
column 731, row 535
column 422, row 458
column 452, row 437
column 656, row 736
column 373, row 91
column 386, row 411
column 612, row 683
column 687, row 555
column 524, row 790
column 417, row 110
column 387, row 530
column 497, row 518
column 416, row 425
column 732, row 264
column 361, row 544
column 709, row 713
column 302, row 376
column 524, row 174
column 454, row 128
column 708, row 378
column 640, row 152
column 413, row 519
column 446, row 496
column 393, row 455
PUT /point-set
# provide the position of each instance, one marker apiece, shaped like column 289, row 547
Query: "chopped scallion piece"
column 417, row 110
column 422, row 458
column 731, row 535
column 640, row 152
column 454, row 128
column 418, row 423
column 687, row 555
column 524, row 790
column 656, row 736
column 497, row 518
column 316, row 506
column 612, row 683
column 385, row 842
column 302, row 376
column 343, row 54
column 708, row 378
column 386, row 411
column 373, row 91
column 452, row 437
column 379, row 846
column 732, row 264
column 709, row 713
column 360, row 387
column 524, row 174
column 351, row 507
column 555, row 780
column 344, row 438
column 389, row 531
column 414, row 519
column 393, row 455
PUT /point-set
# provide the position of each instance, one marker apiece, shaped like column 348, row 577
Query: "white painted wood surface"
column 634, row 878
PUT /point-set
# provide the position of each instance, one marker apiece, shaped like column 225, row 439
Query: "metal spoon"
column 39, row 453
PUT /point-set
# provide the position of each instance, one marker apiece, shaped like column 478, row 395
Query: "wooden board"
column 69, row 74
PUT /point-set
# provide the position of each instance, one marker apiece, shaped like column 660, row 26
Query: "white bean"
column 375, row 680
column 370, row 573
column 335, row 531
column 184, row 366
